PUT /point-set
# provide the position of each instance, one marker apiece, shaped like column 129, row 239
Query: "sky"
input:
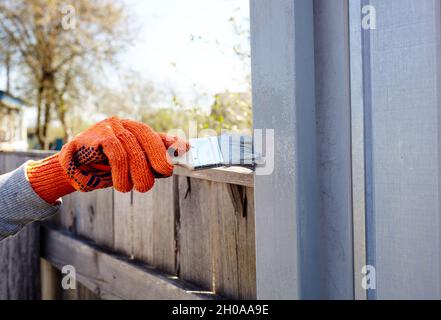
column 165, row 54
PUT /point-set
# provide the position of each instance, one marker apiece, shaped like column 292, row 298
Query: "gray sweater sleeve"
column 19, row 204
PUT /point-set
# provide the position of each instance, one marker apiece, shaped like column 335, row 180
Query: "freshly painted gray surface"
column 358, row 142
column 286, row 201
column 357, row 145
column 334, row 148
column 402, row 101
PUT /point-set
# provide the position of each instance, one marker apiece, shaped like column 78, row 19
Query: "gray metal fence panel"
column 402, row 92
column 371, row 192
column 333, row 110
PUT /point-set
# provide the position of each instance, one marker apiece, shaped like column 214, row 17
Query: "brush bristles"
column 236, row 150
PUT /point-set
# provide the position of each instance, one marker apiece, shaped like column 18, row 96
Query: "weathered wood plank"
column 50, row 281
column 195, row 236
column 164, row 237
column 124, row 234
column 19, row 255
column 246, row 250
column 19, row 265
column 143, row 231
column 66, row 216
column 225, row 241
column 80, row 292
column 152, row 226
column 85, row 209
column 89, row 214
column 233, row 175
column 93, row 214
column 233, row 243
column 110, row 275
column 84, row 293
column 154, row 233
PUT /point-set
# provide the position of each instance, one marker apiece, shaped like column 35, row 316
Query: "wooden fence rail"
column 194, row 228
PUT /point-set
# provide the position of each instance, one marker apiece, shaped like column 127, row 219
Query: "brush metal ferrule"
column 211, row 152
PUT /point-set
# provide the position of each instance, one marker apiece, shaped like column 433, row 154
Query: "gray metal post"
column 282, row 41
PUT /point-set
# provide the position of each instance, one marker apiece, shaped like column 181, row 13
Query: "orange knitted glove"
column 119, row 153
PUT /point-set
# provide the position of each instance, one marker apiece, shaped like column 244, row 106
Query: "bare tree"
column 61, row 47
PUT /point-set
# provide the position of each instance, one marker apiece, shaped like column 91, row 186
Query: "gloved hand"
column 119, row 153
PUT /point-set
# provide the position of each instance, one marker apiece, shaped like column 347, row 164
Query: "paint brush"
column 218, row 151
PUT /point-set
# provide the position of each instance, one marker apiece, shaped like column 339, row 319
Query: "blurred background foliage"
column 229, row 111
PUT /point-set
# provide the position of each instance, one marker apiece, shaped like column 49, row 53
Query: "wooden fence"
column 191, row 237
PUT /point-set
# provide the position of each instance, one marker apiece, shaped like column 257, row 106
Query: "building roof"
column 9, row 101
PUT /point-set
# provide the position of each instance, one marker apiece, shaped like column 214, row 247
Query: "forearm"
column 19, row 204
